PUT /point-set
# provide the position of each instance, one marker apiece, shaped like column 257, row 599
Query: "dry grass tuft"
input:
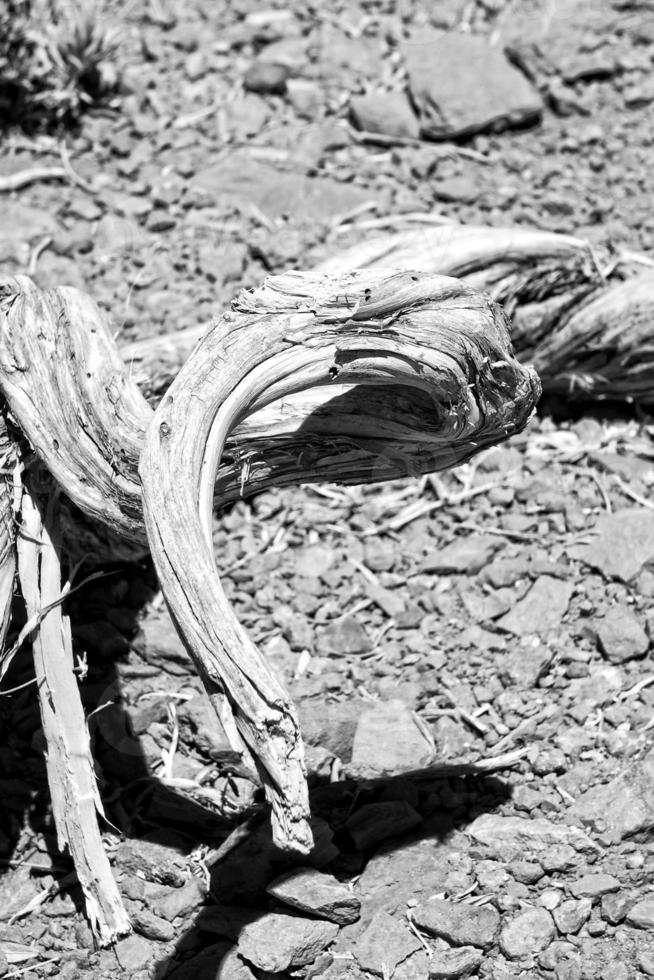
column 58, row 58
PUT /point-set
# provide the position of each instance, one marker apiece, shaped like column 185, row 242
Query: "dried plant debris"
column 57, row 60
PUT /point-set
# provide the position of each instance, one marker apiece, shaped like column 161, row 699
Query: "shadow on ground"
column 392, row 866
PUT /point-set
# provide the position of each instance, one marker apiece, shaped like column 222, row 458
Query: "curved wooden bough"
column 587, row 332
column 313, row 376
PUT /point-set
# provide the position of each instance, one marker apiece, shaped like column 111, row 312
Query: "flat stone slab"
column 276, row 942
column 515, row 837
column 541, row 608
column 318, row 894
column 453, row 100
column 389, row 739
column 243, row 179
column 458, row 923
column 619, row 544
column 625, row 805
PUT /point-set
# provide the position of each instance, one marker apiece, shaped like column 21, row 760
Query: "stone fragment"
column 454, row 963
column 594, row 885
column 295, row 627
column 416, row 870
column 266, row 77
column 241, row 179
column 570, row 915
column 313, row 560
column 641, row 915
column 639, row 96
column 481, row 608
column 621, row 544
column 201, row 727
column 161, row 859
column 158, row 642
column 389, row 113
column 454, row 101
column 464, row 555
column 376, row 822
column 527, row 872
column 460, row 924
column 380, row 554
column 275, row 941
column 388, row 601
column 344, row 637
column 541, row 609
column 614, row 906
column 331, row 725
column 390, row 739
column 232, row 967
column 523, row 666
column 625, row 805
column 152, row 926
column 305, row 96
column 620, row 635
column 457, row 189
column 517, row 837
column 135, row 953
column 343, row 61
column 385, row 943
column 318, row 894
column 562, row 959
column 530, row 932
column 414, row 967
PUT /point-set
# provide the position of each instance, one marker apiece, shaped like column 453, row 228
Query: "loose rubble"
column 508, row 627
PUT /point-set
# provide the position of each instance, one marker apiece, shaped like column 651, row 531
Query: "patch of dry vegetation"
column 57, row 59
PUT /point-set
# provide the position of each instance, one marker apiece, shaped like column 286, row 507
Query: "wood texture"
column 352, row 377
column 432, row 336
column 74, row 793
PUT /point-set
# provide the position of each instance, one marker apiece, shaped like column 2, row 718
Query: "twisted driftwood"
column 587, row 336
column 358, row 376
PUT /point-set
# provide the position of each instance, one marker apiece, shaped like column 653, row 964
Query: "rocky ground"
column 470, row 652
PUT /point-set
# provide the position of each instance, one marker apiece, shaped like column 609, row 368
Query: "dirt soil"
column 470, row 653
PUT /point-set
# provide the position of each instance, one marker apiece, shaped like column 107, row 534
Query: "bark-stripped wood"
column 71, row 777
column 355, row 377
column 431, row 335
column 517, row 266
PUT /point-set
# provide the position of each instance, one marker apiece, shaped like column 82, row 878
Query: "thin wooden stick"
column 75, row 799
